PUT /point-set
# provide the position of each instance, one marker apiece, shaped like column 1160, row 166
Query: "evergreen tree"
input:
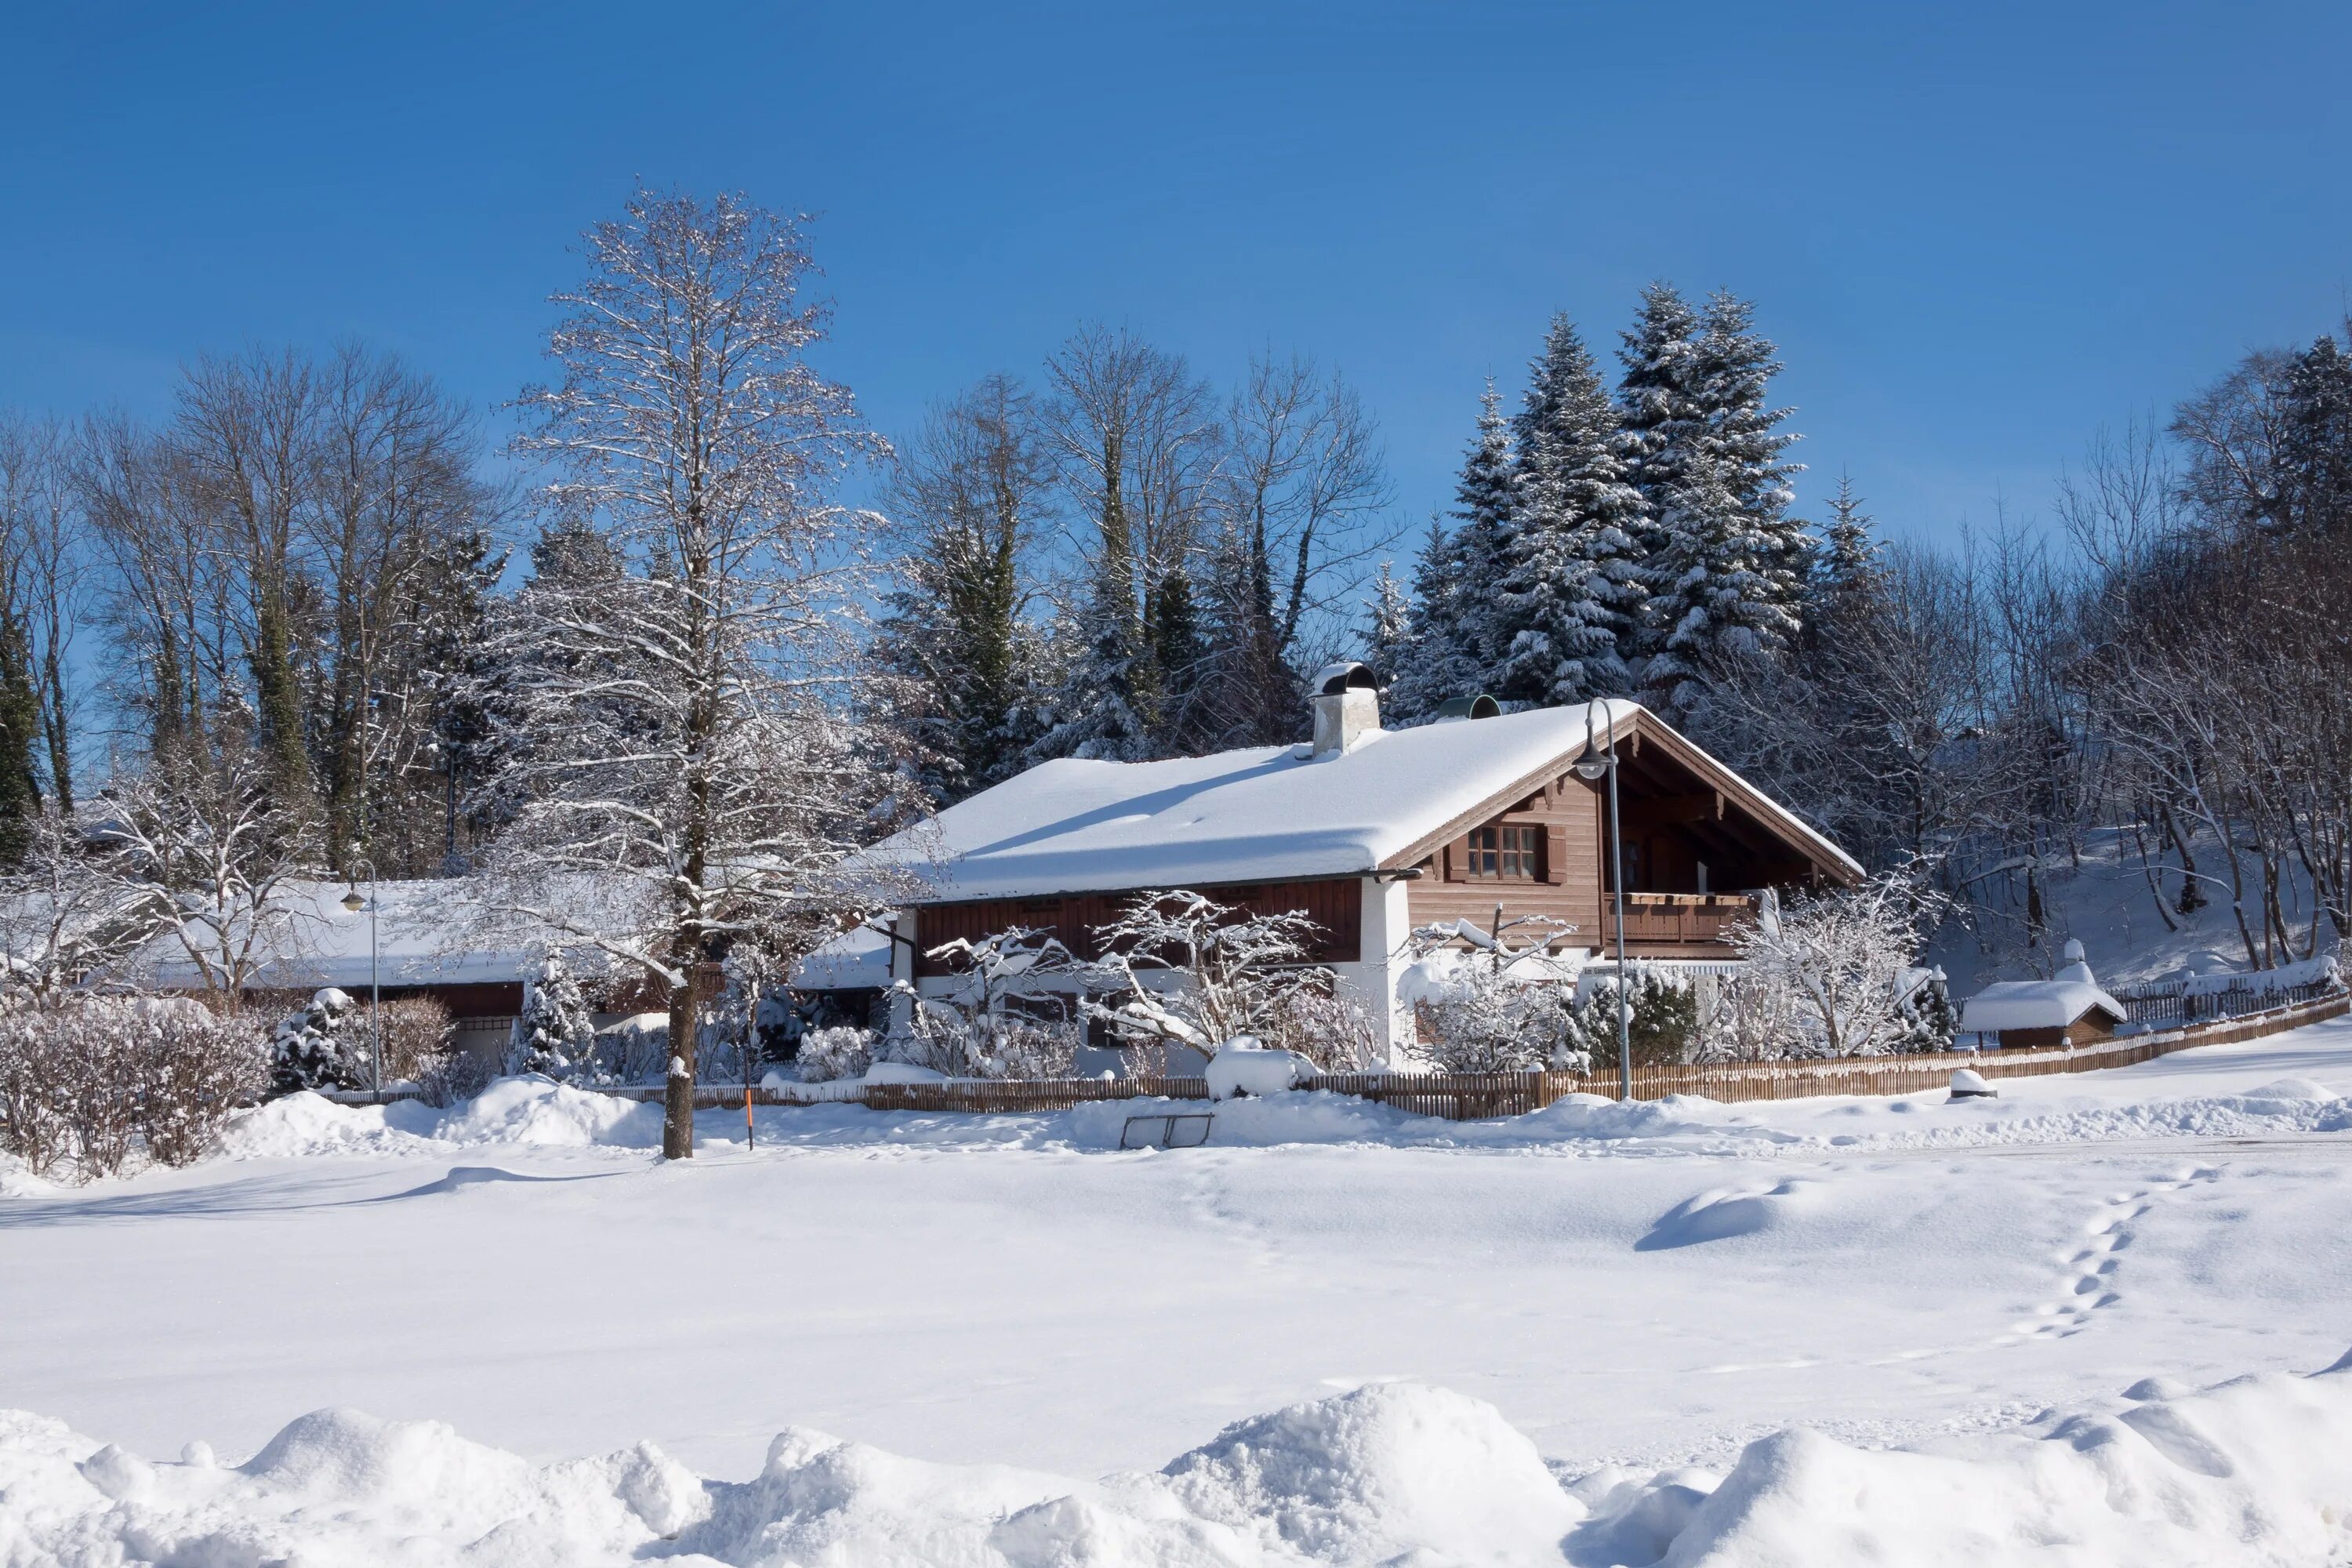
column 1724, row 566
column 1744, row 430
column 2315, row 459
column 1450, row 649
column 556, row 1033
column 1104, row 705
column 1570, row 589
column 20, row 727
column 955, row 651
column 1847, row 570
column 1178, row 655
column 1658, row 399
column 1388, row 624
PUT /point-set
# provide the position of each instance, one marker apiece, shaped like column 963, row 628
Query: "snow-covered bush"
column 1828, row 976
column 556, row 1032
column 314, row 1049
column 455, row 1076
column 86, row 1083
column 416, row 1037
column 1495, row 1000
column 1000, row 1018
column 959, row 1044
column 1662, row 1018
column 1240, row 973
column 1334, row 1032
column 837, row 1052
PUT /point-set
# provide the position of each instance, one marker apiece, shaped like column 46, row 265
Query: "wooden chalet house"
column 1371, row 833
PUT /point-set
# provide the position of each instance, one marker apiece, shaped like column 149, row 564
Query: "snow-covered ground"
column 1450, row 1318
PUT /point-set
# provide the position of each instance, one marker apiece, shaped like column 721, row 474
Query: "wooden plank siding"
column 1566, row 885
column 1666, row 916
column 1335, row 905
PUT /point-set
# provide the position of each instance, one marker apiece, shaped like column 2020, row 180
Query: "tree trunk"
column 678, row 1083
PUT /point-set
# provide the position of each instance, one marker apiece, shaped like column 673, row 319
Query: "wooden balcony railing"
column 1675, row 920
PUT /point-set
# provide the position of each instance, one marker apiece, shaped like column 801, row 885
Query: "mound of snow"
column 1244, row 1066
column 1394, row 1471
column 2257, row 1470
column 536, row 1109
column 308, row 1123
column 1725, row 1212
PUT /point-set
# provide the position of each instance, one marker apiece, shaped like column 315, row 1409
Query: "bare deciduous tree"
column 695, row 776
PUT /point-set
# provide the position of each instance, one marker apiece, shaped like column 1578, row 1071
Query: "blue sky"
column 1979, row 231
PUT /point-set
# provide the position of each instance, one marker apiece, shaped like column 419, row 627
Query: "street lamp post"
column 353, row 902
column 1599, row 759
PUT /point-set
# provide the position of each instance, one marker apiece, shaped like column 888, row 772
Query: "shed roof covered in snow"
column 1273, row 813
column 2063, row 999
column 316, row 942
column 2035, row 1004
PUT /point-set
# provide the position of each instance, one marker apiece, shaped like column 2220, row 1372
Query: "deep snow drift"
column 2258, row 1470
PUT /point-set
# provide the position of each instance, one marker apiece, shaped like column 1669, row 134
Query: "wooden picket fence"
column 1466, row 1097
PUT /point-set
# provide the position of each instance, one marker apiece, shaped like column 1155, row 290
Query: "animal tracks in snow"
column 2091, row 1281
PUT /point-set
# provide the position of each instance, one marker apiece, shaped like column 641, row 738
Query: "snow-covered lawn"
column 1645, row 1288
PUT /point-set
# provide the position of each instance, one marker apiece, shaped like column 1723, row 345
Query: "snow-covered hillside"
column 1598, row 1334
column 2105, row 904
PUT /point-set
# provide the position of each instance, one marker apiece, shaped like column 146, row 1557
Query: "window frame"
column 1505, row 852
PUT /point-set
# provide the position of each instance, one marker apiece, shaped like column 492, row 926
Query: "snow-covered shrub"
column 634, row 1050
column 1828, row 974
column 1334, row 1032
column 1240, row 971
column 32, row 1125
column 999, row 1018
column 840, row 1051
column 456, row 1077
column 416, row 1037
column 200, row 1069
column 1662, row 1018
column 88, row 1082
column 314, row 1048
column 1496, row 1000
column 556, row 1032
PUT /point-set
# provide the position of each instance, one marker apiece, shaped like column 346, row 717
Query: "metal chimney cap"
column 1479, row 707
column 1346, row 674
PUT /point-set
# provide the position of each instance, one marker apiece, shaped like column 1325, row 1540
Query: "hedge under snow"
column 2258, row 1470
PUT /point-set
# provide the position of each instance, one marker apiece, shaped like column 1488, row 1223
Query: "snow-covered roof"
column 855, row 959
column 1259, row 813
column 323, row 943
column 2037, row 1004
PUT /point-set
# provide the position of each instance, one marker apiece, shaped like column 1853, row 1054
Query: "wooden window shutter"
column 1555, row 864
column 1457, row 859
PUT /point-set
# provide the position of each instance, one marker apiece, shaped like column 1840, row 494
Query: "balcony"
column 1675, row 925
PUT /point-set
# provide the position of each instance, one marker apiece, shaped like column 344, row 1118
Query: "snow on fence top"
column 1261, row 813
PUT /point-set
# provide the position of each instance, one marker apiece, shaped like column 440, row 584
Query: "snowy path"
column 1010, row 1290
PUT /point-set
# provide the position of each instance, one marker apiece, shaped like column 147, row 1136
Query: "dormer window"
column 1510, row 853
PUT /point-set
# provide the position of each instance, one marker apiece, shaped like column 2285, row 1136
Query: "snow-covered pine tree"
column 1847, row 575
column 1450, row 653
column 1387, row 623
column 556, row 1032
column 1658, row 403
column 1570, row 590
column 1724, row 566
column 955, row 652
column 1714, row 591
column 2315, row 445
column 1102, row 707
column 1737, row 365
